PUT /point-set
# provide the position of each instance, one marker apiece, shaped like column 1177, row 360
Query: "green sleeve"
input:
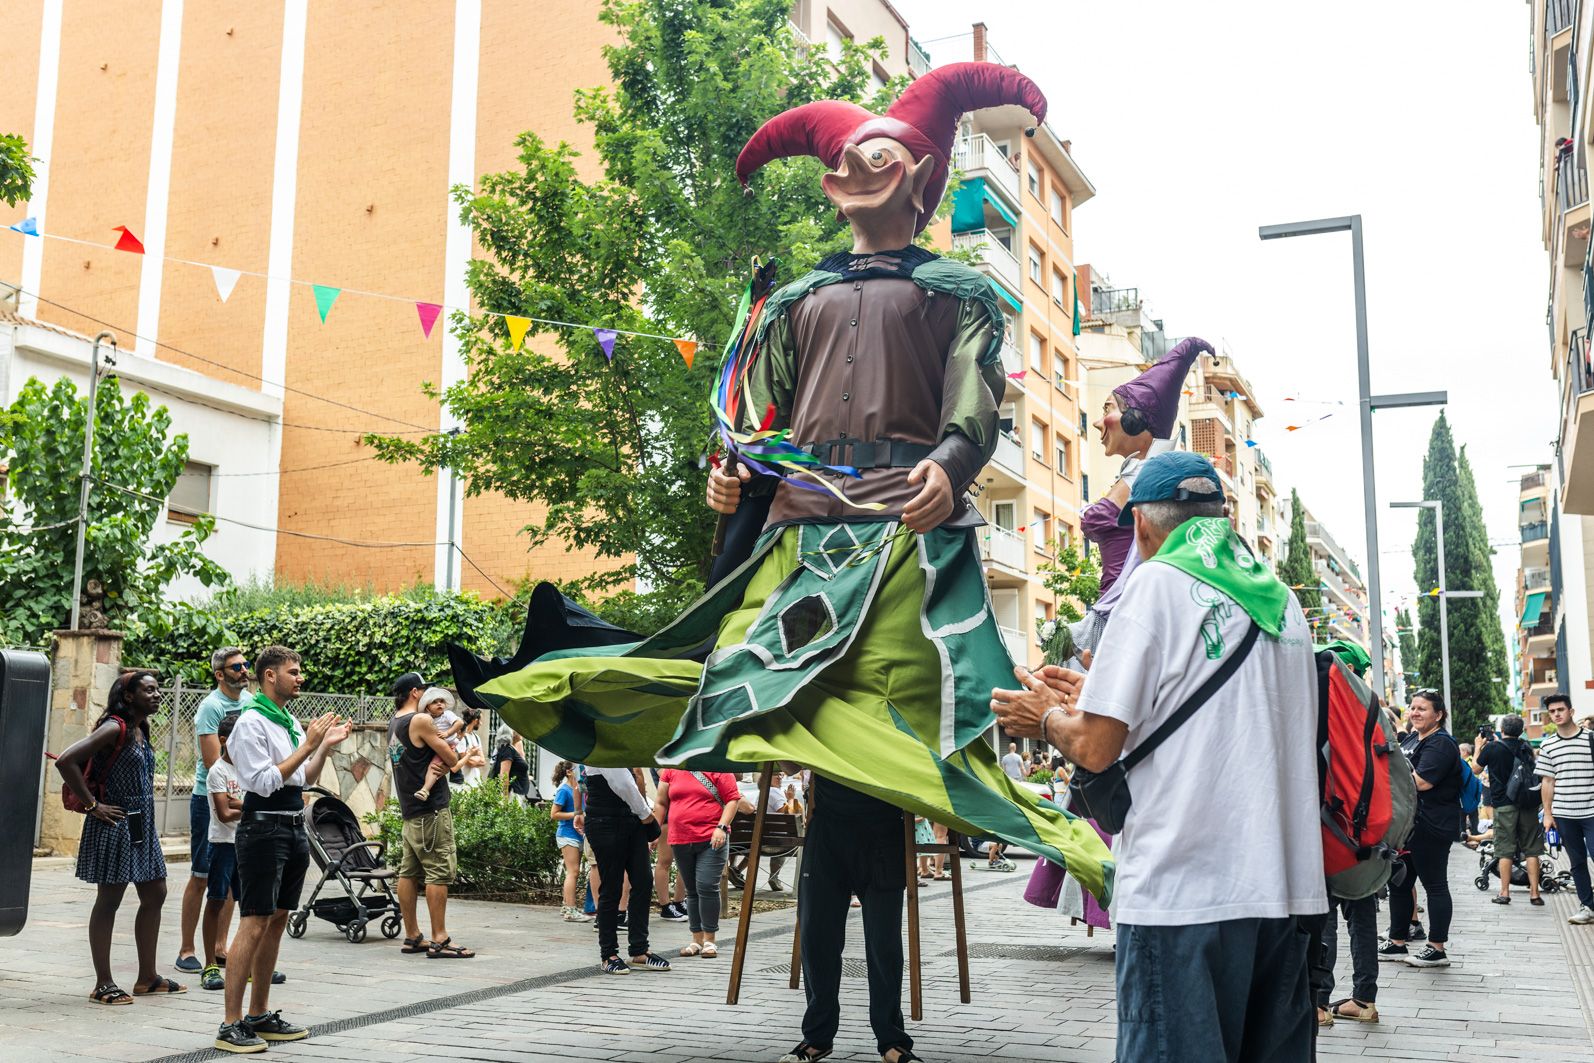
column 971, row 394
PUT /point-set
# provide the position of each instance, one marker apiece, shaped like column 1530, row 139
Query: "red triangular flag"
column 428, row 313
column 688, row 349
column 127, row 241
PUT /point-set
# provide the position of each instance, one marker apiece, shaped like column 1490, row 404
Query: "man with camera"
column 1514, row 792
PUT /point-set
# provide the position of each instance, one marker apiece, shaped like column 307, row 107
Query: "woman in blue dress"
column 120, row 843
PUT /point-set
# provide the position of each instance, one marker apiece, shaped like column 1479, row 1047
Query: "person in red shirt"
column 699, row 807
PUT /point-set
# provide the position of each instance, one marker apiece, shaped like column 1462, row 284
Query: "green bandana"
column 1207, row 550
column 1353, row 655
column 276, row 714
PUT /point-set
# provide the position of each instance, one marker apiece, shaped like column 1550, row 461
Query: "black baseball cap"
column 407, row 682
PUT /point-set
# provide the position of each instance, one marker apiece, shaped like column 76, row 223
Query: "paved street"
column 1042, row 991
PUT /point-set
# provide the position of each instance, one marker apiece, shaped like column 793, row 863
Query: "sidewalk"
column 1041, row 991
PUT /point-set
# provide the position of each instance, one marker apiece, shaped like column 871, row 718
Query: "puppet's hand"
column 725, row 489
column 933, row 504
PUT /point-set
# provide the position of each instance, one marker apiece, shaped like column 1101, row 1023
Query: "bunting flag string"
column 428, row 314
column 225, row 280
column 325, row 296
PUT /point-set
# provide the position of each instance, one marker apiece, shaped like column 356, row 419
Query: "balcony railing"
column 1003, row 547
column 993, row 255
column 1535, row 578
column 1017, row 644
column 1009, row 454
column 1557, row 16
column 1533, row 481
column 979, row 153
column 1571, row 181
column 1012, row 361
column 918, row 59
column 1579, row 374
column 1113, row 300
column 1532, row 533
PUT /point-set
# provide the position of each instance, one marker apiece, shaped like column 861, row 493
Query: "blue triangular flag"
column 27, row 227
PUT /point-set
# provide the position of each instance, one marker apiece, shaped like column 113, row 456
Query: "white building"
column 230, row 433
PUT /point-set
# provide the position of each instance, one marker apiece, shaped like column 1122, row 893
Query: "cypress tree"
column 1296, row 569
column 1406, row 638
column 1477, row 644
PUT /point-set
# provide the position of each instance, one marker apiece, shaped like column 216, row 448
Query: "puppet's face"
column 878, row 183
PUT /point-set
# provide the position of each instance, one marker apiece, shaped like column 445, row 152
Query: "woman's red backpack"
column 1369, row 796
column 93, row 780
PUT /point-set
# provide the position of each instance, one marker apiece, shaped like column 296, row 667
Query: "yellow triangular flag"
column 517, row 329
column 688, row 349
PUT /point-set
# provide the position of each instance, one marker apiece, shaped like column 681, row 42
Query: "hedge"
column 503, row 847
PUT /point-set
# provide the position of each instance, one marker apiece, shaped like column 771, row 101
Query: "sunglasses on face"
column 238, row 668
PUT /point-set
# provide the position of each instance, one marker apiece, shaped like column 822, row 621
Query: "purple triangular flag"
column 606, row 338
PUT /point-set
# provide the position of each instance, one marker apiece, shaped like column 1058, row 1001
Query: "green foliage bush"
column 1041, row 776
column 504, row 847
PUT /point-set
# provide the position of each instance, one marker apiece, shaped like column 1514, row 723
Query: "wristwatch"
column 723, row 827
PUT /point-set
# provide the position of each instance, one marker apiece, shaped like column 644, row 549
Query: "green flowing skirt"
column 861, row 651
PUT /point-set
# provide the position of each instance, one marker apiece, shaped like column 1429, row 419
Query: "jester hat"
column 1155, row 392
column 924, row 119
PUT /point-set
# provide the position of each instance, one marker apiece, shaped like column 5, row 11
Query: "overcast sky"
column 1199, row 122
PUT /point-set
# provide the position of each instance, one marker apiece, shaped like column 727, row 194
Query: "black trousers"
column 853, row 849
column 621, row 847
column 1362, row 919
column 1428, row 862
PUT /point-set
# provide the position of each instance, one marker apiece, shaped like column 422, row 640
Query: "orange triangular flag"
column 688, row 349
column 127, row 241
column 517, row 329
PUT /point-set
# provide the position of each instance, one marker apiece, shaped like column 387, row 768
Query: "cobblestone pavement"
column 1042, row 990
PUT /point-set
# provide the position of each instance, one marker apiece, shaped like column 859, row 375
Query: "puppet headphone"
column 1133, row 421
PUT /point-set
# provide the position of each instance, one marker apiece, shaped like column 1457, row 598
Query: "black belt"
column 879, row 454
column 294, row 818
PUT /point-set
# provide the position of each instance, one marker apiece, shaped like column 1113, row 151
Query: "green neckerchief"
column 276, row 714
column 1207, row 550
column 1353, row 655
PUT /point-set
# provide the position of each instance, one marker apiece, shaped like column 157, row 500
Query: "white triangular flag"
column 225, row 279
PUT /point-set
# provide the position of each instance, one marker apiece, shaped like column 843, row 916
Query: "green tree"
column 135, row 467
column 1477, row 653
column 658, row 242
column 16, row 169
column 1406, row 639
column 1076, row 582
column 1296, row 570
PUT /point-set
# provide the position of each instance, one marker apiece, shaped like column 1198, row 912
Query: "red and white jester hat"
column 924, row 119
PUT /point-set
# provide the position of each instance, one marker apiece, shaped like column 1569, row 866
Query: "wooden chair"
column 763, row 828
column 782, row 837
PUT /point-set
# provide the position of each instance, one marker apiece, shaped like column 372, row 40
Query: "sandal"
column 710, row 950
column 160, row 986
column 805, row 1053
column 694, row 949
column 904, row 1055
column 1325, row 1017
column 415, row 944
column 109, row 993
column 1363, row 1012
column 444, row 950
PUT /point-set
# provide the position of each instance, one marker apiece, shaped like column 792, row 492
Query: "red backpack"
column 1368, row 793
column 92, row 780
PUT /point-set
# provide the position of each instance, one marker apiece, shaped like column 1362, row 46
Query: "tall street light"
column 1438, row 507
column 1367, row 403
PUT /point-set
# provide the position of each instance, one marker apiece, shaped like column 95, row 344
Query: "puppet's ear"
column 920, row 176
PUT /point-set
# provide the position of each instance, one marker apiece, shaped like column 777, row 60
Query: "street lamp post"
column 88, row 473
column 1367, row 403
column 1445, row 594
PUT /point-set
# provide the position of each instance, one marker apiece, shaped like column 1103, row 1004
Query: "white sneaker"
column 1582, row 916
column 573, row 915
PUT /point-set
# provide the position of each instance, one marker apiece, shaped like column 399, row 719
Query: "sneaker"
column 189, row 964
column 1004, row 865
column 272, row 1027
column 673, row 912
column 650, row 962
column 622, row 920
column 1391, row 951
column 573, row 915
column 776, row 886
column 1415, row 932
column 1429, row 957
column 1582, row 917
column 238, row 1037
column 212, row 979
column 614, row 965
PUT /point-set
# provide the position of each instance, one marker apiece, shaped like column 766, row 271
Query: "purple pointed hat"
column 1155, row 393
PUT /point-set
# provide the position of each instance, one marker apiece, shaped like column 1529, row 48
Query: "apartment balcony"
column 1534, row 483
column 1532, row 533
column 1577, row 431
column 1209, row 402
column 1571, row 200
column 1012, row 361
column 992, row 257
column 1535, row 579
column 1532, row 509
column 918, row 59
column 978, row 157
column 1006, row 468
column 1006, row 560
column 1018, row 646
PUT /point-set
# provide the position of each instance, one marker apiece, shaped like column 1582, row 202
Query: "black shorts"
column 273, row 856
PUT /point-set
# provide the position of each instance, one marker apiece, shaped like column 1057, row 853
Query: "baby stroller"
column 1552, row 879
column 354, row 865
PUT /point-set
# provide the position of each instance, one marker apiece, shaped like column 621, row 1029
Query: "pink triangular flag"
column 127, row 241
column 225, row 280
column 517, row 329
column 428, row 313
column 606, row 338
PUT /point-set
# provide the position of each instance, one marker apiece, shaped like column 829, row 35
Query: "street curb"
column 1579, row 944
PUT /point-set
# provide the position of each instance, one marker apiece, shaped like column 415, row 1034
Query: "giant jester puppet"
column 854, row 634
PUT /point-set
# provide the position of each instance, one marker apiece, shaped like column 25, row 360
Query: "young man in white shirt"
column 1566, row 764
column 274, row 757
column 1212, row 956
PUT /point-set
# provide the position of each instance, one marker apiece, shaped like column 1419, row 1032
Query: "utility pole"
column 1445, row 594
column 88, row 472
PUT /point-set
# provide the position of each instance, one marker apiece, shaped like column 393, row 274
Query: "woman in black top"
column 1436, row 763
column 509, row 765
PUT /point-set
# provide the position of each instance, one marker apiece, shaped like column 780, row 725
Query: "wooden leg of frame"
column 749, row 887
column 910, row 855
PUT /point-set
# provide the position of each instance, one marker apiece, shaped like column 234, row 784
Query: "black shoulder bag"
column 1104, row 796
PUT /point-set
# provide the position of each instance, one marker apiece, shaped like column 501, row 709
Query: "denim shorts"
column 199, row 834
column 273, row 855
column 223, row 872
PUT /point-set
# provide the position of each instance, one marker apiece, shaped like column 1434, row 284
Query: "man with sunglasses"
column 231, row 669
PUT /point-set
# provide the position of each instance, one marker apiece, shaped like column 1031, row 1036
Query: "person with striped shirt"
column 1566, row 764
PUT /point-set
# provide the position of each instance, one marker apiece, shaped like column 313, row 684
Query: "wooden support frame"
column 912, row 850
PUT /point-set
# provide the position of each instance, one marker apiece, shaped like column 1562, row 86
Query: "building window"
column 1034, row 176
column 1084, row 425
column 1065, row 537
column 1008, row 418
column 1084, row 487
column 191, row 494
column 1059, row 287
column 1037, row 353
column 1037, row 439
column 1061, row 454
column 1035, row 265
column 1062, row 372
column 1004, row 515
column 1057, row 207
column 879, row 77
column 1039, row 525
column 834, row 35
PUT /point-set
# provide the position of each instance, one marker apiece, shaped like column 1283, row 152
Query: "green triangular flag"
column 1076, row 306
column 324, row 298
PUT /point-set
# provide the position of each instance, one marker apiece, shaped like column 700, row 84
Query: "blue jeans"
column 199, row 834
column 1229, row 992
column 1578, row 837
column 700, row 866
